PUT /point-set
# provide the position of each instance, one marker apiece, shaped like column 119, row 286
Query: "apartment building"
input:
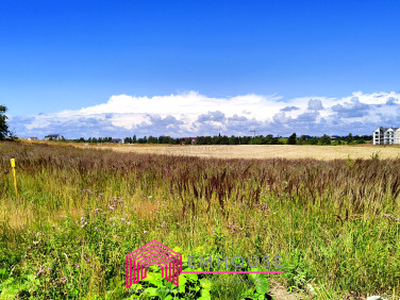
column 386, row 136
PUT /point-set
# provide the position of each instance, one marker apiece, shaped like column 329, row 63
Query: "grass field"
column 264, row 151
column 80, row 211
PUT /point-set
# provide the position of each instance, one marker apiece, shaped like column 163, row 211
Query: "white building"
column 386, row 136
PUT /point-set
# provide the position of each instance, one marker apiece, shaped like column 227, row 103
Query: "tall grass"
column 79, row 212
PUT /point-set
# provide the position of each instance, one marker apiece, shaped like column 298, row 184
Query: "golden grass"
column 261, row 151
column 146, row 210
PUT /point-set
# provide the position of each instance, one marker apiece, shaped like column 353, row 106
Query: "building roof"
column 53, row 135
column 387, row 128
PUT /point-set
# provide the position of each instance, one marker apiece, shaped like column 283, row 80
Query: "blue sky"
column 74, row 55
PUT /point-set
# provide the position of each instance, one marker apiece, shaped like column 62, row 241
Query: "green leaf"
column 192, row 277
column 177, row 249
column 152, row 292
column 262, row 286
column 205, row 284
column 182, row 283
column 154, row 279
column 205, row 295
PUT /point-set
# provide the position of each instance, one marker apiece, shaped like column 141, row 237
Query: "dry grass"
column 262, row 151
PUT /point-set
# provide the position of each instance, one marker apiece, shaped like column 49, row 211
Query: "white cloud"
column 193, row 113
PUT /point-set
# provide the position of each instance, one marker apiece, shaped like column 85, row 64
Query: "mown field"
column 79, row 212
column 365, row 151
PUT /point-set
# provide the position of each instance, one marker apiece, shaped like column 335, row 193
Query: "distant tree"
column 207, row 140
column 4, row 132
column 312, row 141
column 233, row 140
column 143, row 140
column 292, row 140
column 325, row 140
column 217, row 139
column 225, row 140
column 360, row 141
column 152, row 140
column 302, row 139
column 350, row 139
column 134, row 139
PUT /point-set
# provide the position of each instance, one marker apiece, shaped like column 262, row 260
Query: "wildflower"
column 129, row 223
column 78, row 266
column 164, row 224
column 95, row 228
column 113, row 224
column 145, row 232
column 82, row 226
column 85, row 223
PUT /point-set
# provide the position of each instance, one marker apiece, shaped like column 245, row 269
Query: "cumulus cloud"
column 352, row 109
column 289, row 108
column 315, row 104
column 195, row 114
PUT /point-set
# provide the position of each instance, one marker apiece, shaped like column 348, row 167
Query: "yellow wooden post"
column 15, row 175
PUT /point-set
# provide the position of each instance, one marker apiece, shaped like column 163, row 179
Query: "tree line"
column 238, row 140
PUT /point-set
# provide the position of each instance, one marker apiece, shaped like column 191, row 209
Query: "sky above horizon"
column 118, row 68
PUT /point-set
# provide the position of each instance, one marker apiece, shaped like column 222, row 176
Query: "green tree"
column 292, row 140
column 303, row 139
column 3, row 124
column 350, row 139
column 325, row 140
column 128, row 140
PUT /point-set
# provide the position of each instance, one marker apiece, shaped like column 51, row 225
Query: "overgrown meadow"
column 79, row 212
